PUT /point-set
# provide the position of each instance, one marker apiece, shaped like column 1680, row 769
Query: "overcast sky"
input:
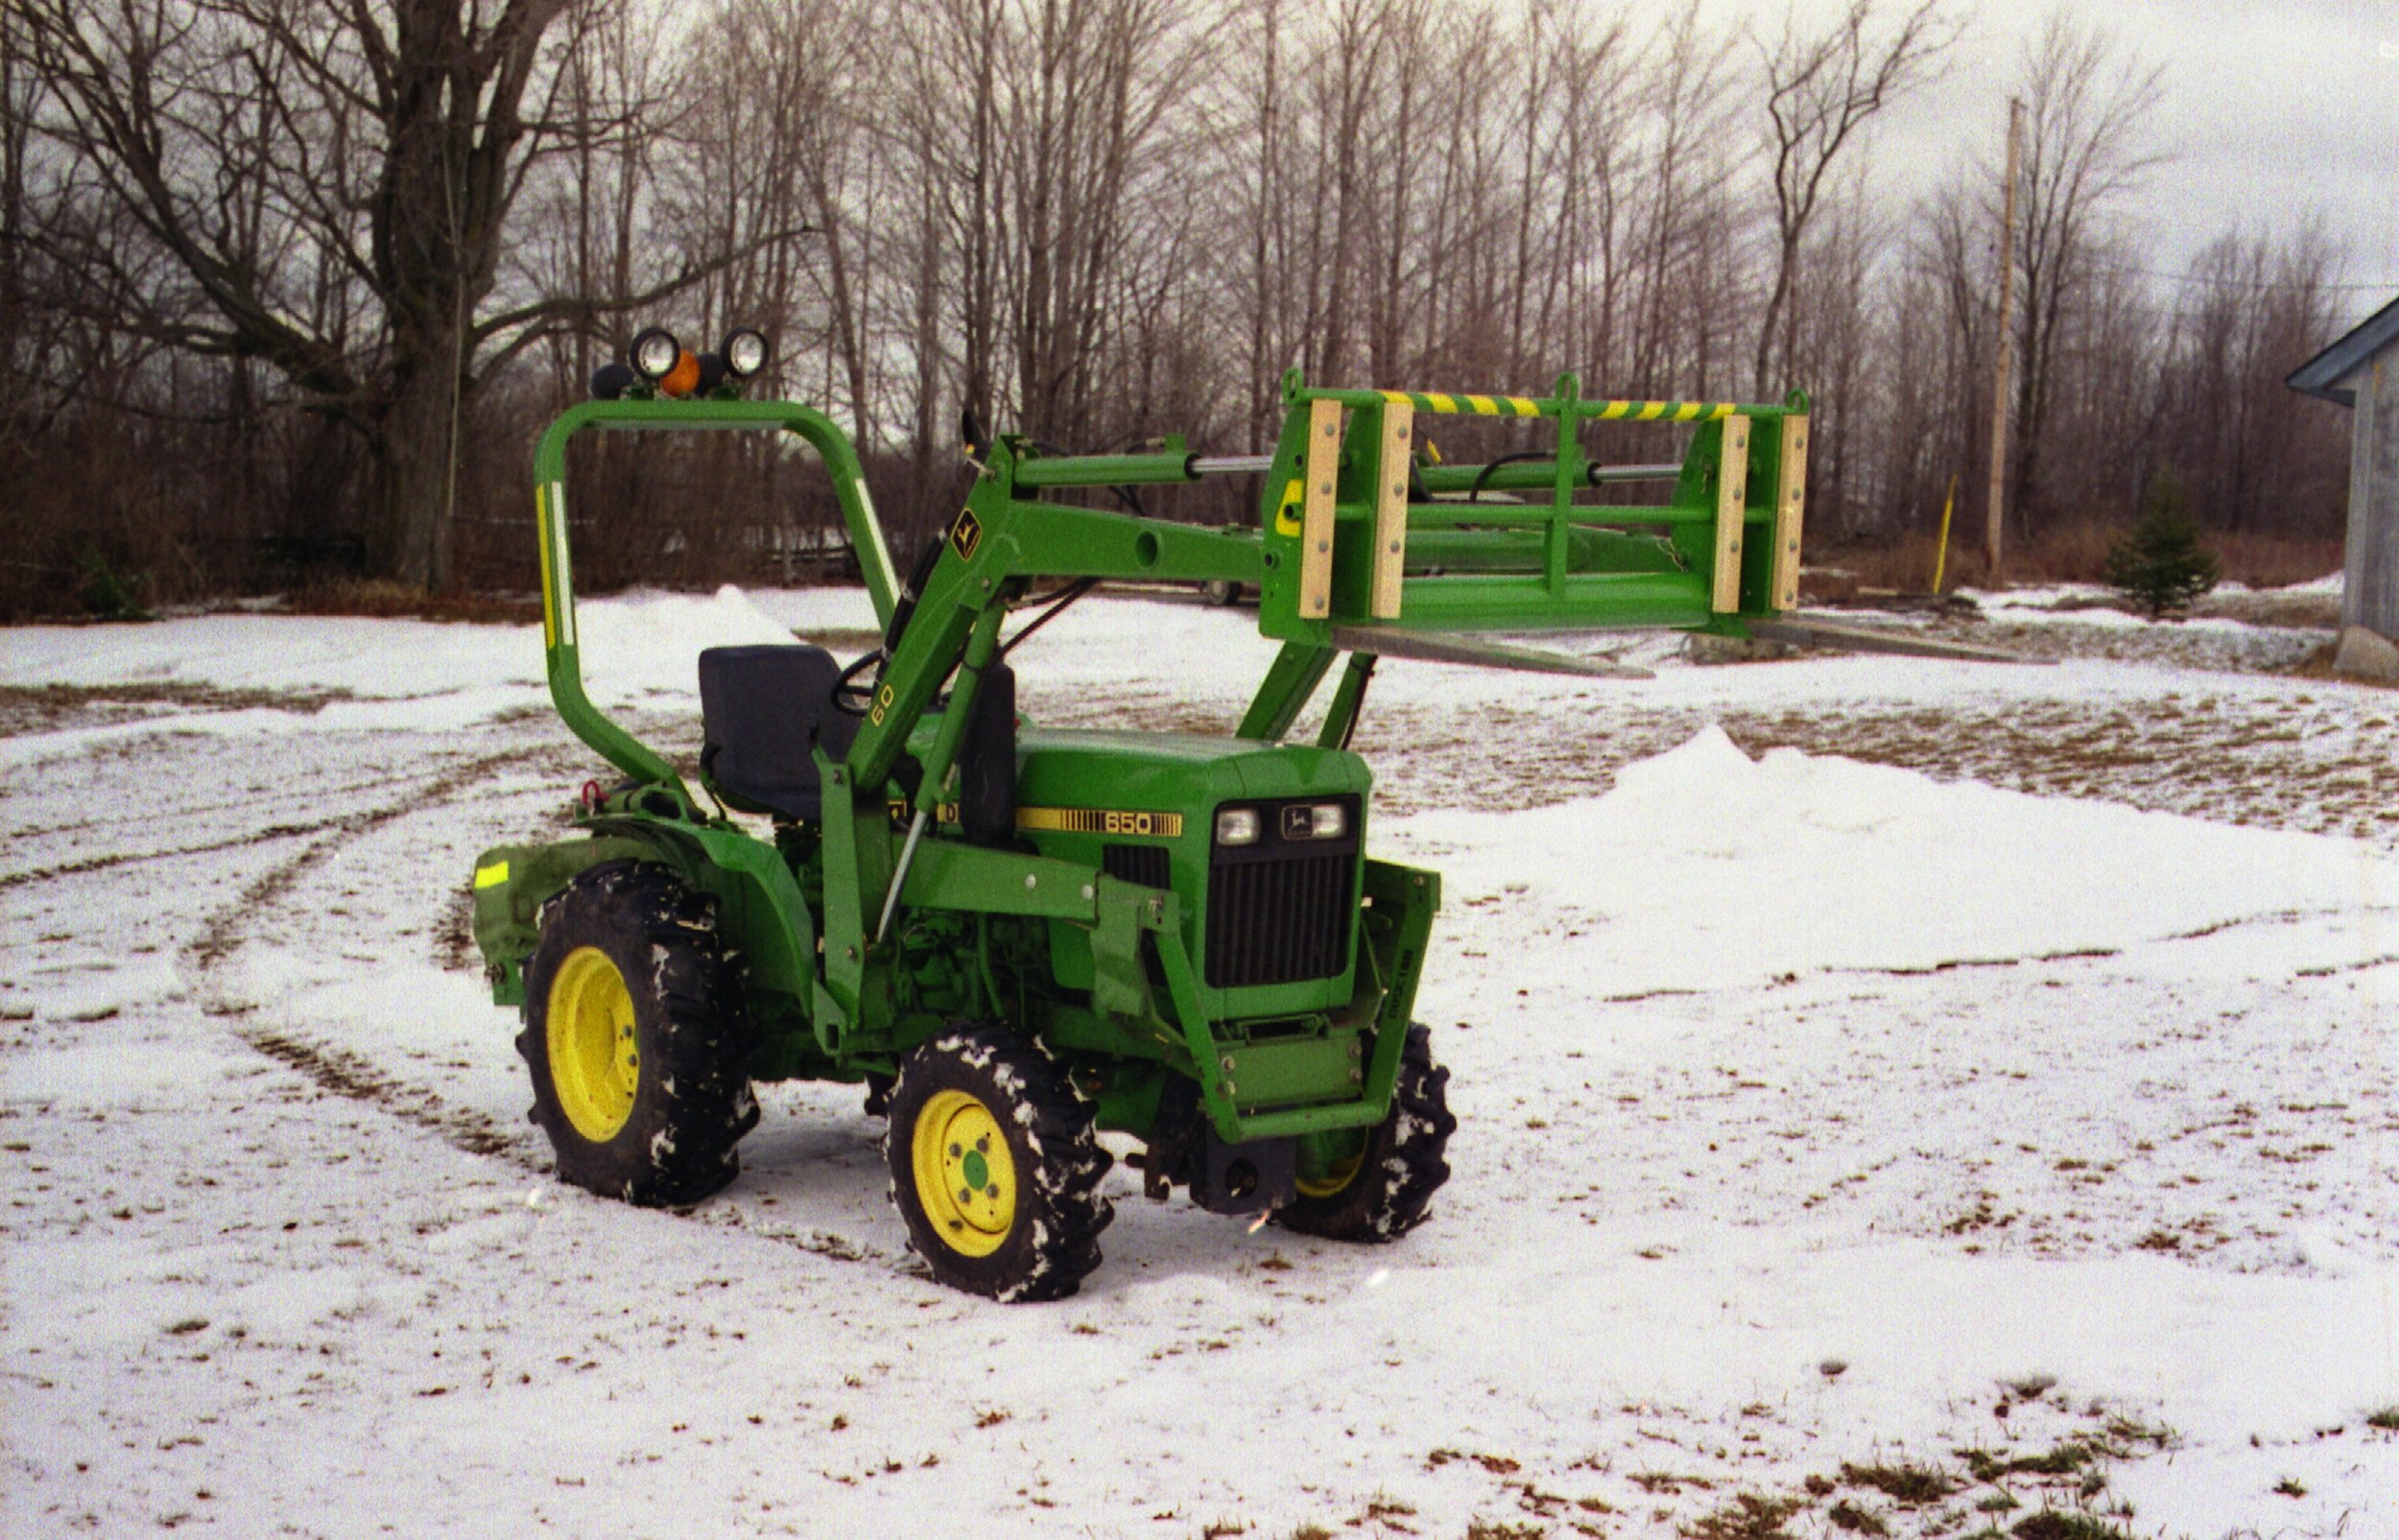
column 2273, row 109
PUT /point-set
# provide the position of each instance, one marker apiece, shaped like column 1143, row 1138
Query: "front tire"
column 1384, row 1189
column 994, row 1166
column 634, row 1038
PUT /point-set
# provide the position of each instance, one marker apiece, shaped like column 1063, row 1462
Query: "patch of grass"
column 1311, row 1531
column 1665, row 1481
column 1747, row 1517
column 2121, row 1432
column 2387, row 1418
column 2049, row 1524
column 1997, row 1503
column 1495, row 1529
column 1847, row 1515
column 1911, row 1484
column 2065, row 1459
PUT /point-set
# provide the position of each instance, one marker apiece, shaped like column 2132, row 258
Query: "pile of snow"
column 2331, row 582
column 649, row 644
column 813, row 611
column 1704, row 869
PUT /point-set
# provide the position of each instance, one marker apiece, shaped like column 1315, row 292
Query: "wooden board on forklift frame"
column 1390, row 510
column 1791, row 494
column 1321, row 469
column 1732, row 491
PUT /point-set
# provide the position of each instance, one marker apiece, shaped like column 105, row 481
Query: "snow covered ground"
column 1892, row 1093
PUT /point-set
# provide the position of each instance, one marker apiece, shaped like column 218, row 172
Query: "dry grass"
column 2049, row 1524
column 381, row 599
column 2276, row 560
column 2067, row 553
column 1906, row 1484
column 1749, row 1517
column 1847, row 1515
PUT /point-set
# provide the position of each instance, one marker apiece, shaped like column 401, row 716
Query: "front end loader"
column 1016, row 937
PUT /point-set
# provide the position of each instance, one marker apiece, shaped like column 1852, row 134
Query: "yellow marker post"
column 1941, row 558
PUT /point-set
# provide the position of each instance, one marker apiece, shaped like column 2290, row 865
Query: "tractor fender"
column 767, row 929
column 513, row 882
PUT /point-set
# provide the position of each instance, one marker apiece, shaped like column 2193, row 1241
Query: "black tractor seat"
column 764, row 708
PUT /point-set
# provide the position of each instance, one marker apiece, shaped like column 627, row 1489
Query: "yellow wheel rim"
column 965, row 1177
column 1342, row 1173
column 595, row 1064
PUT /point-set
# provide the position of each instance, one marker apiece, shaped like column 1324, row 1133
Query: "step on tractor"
column 1016, row 937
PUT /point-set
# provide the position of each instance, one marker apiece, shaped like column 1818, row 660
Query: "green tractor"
column 1015, row 936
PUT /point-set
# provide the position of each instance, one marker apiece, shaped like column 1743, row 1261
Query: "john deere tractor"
column 1015, row 936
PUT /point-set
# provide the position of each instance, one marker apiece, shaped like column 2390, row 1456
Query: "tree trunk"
column 415, row 481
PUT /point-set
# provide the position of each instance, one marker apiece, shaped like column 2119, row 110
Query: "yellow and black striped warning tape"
column 1661, row 411
column 1525, row 406
column 1481, row 406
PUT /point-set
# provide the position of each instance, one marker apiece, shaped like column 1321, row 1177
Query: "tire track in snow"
column 336, row 1069
column 353, row 1077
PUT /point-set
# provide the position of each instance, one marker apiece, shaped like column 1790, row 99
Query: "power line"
column 2247, row 283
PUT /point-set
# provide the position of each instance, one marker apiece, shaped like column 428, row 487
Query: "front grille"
column 1144, row 866
column 1281, row 920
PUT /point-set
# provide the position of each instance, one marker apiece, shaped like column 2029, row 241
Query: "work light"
column 744, row 351
column 654, row 353
column 1327, row 820
column 1237, row 826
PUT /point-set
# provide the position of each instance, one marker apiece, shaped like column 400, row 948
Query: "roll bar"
column 586, row 721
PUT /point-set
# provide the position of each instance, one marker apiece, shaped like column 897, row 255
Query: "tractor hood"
column 1188, row 773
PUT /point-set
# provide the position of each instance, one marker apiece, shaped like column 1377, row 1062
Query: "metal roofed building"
column 2361, row 372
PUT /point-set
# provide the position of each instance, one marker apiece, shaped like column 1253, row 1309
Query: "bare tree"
column 384, row 143
column 2248, row 451
column 1822, row 88
column 2086, row 108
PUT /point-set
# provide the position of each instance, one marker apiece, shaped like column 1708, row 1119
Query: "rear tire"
column 994, row 1166
column 1389, row 1190
column 634, row 1039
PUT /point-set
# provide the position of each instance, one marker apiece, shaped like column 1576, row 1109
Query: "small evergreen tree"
column 2160, row 564
column 105, row 594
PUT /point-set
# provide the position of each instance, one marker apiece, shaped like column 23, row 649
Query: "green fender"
column 757, row 899
column 511, row 884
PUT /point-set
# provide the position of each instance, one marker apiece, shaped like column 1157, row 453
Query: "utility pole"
column 2001, row 346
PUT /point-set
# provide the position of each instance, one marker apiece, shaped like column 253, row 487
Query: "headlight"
column 745, row 352
column 654, row 353
column 1327, row 820
column 1237, row 826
